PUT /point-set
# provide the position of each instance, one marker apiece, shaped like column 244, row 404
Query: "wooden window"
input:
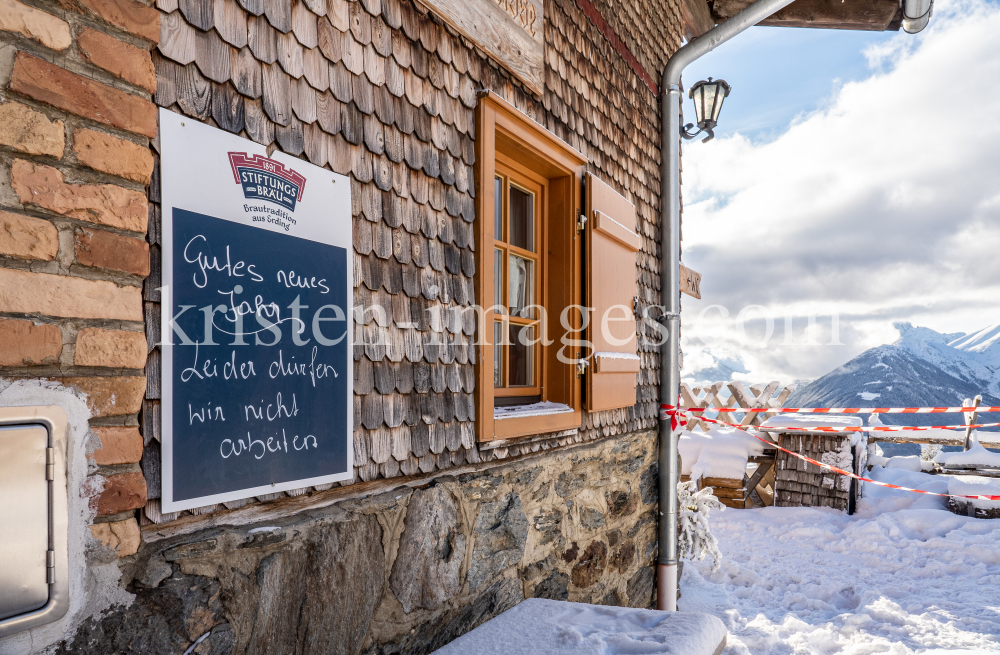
column 517, row 275
column 529, row 257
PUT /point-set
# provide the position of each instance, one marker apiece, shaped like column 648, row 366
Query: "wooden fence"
column 741, row 397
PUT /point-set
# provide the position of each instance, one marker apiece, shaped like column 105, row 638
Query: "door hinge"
column 581, row 368
column 50, row 566
column 581, row 222
column 50, row 464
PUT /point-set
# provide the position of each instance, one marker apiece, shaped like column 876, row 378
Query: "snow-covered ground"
column 903, row 575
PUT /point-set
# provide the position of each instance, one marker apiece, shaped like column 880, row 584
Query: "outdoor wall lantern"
column 708, row 97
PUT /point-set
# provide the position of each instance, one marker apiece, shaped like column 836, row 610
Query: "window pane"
column 521, row 369
column 498, row 208
column 498, row 277
column 522, row 219
column 521, row 285
column 497, row 355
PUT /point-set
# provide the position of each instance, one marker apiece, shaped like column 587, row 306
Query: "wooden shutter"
column 611, row 244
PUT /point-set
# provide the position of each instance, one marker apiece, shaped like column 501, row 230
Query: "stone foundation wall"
column 404, row 570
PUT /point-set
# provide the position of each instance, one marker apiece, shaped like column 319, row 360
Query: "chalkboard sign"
column 257, row 321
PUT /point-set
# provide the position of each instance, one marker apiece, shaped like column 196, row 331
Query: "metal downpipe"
column 916, row 15
column 670, row 259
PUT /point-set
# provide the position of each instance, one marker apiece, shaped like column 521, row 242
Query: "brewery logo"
column 262, row 178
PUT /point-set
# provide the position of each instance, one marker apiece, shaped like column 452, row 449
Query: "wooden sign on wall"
column 511, row 31
column 690, row 282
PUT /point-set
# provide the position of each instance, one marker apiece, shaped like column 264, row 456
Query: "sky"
column 854, row 182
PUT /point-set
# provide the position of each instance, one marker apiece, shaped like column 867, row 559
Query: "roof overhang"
column 866, row 15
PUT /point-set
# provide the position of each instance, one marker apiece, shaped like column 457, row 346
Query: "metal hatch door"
column 34, row 518
column 24, row 519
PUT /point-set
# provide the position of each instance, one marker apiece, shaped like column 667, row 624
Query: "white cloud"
column 882, row 206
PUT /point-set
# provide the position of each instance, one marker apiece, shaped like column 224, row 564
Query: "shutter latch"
column 581, row 368
column 581, row 222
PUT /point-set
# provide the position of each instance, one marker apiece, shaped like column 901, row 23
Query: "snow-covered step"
column 974, row 486
column 550, row 627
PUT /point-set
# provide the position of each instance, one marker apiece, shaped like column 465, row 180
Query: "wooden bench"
column 749, row 492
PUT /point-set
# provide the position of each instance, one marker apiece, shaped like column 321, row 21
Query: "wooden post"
column 970, row 419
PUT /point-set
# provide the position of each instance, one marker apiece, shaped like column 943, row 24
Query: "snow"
column 971, row 357
column 905, row 462
column 868, row 395
column 721, row 452
column 774, row 423
column 841, row 459
column 534, row 409
column 611, row 355
column 878, row 460
column 538, row 626
column 266, row 528
column 975, row 485
column 975, row 457
column 689, row 446
column 903, row 575
column 985, row 344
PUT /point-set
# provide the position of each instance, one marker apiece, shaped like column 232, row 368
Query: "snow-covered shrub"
column 928, row 451
column 694, row 539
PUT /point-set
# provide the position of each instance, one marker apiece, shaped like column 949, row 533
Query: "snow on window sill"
column 611, row 355
column 535, row 409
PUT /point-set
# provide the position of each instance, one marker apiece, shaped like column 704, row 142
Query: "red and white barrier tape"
column 843, row 410
column 666, row 410
column 676, row 414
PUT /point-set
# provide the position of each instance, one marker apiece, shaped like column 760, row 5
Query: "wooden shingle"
column 194, row 92
column 231, row 22
column 177, row 38
column 245, row 72
column 212, row 55
column 279, row 14
column 262, row 39
column 198, row 13
column 276, row 94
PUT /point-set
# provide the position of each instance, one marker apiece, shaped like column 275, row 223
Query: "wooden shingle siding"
column 383, row 92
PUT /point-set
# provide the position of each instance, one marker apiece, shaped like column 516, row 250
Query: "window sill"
column 486, row 446
column 522, row 426
column 535, row 409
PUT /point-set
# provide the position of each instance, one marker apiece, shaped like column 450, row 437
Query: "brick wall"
column 76, row 118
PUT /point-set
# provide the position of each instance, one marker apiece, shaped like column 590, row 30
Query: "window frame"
column 507, row 136
column 515, row 175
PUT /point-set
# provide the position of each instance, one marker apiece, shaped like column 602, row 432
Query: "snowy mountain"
column 985, row 345
column 922, row 368
column 973, row 358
